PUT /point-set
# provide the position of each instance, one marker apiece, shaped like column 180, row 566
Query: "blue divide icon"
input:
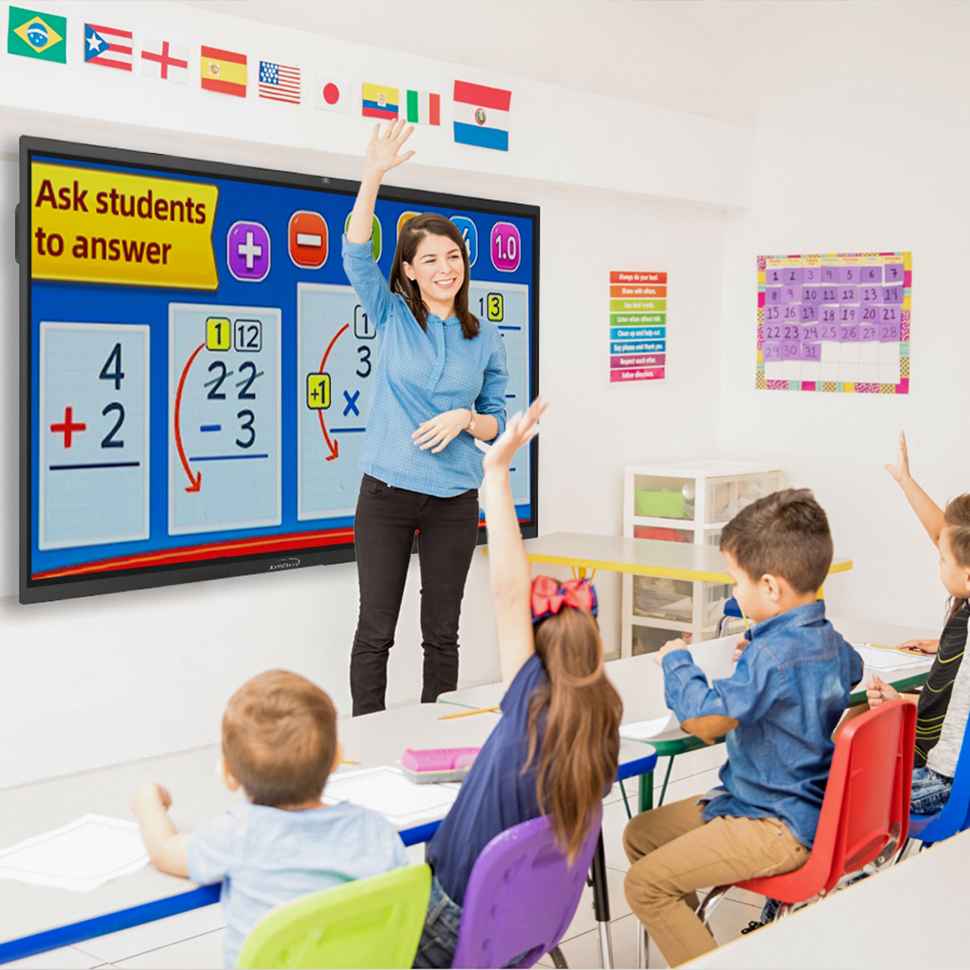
column 469, row 232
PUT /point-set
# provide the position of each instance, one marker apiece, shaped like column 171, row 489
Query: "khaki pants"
column 674, row 852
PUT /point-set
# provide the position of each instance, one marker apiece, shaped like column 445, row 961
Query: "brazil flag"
column 33, row 34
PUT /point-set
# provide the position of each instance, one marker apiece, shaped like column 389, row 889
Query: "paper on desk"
column 645, row 730
column 878, row 658
column 386, row 790
column 80, row 857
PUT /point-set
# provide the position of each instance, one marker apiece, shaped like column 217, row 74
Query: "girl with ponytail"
column 554, row 751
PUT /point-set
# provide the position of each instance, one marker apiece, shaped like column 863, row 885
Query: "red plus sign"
column 68, row 427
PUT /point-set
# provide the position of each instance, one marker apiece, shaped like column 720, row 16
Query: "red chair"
column 865, row 813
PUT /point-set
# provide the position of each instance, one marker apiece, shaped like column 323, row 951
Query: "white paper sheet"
column 80, row 856
column 878, row 658
column 388, row 791
column 645, row 730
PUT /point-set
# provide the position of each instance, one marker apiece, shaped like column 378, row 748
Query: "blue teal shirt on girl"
column 418, row 376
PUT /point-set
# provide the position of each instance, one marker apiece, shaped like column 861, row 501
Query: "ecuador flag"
column 379, row 101
column 223, row 71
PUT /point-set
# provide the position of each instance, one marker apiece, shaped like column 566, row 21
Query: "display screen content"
column 196, row 369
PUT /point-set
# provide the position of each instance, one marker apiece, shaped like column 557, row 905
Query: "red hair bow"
column 548, row 596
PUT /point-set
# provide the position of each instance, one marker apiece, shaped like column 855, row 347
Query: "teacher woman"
column 440, row 383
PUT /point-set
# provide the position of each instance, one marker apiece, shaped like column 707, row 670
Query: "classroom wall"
column 117, row 678
column 862, row 139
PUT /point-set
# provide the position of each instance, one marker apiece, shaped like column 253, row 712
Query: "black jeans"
column 384, row 528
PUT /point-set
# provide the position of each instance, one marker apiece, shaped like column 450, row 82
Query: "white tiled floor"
column 193, row 940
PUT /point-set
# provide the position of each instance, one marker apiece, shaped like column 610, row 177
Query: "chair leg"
column 558, row 960
column 643, row 947
column 606, row 946
column 710, row 902
column 908, row 848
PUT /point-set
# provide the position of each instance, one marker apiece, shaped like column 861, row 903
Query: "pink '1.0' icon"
column 506, row 247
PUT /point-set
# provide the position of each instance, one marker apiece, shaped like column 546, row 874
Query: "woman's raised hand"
column 384, row 151
column 900, row 470
column 520, row 429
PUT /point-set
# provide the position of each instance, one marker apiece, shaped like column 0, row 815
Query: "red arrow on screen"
column 196, row 479
column 332, row 445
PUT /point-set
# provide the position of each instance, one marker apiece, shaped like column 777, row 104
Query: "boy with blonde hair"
column 279, row 744
column 779, row 709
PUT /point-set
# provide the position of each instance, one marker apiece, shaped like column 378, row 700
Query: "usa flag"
column 279, row 82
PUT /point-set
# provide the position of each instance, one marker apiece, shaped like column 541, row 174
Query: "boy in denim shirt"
column 779, row 709
column 279, row 744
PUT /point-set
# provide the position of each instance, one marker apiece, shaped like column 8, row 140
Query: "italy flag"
column 482, row 116
column 423, row 108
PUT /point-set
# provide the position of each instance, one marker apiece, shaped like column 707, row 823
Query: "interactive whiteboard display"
column 196, row 369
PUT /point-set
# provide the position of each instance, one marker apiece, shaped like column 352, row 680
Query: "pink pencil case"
column 438, row 764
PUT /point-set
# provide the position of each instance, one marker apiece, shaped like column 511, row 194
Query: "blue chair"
column 731, row 610
column 954, row 817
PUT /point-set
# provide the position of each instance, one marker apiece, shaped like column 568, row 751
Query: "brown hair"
column 279, row 738
column 785, row 534
column 956, row 523
column 412, row 232
column 581, row 745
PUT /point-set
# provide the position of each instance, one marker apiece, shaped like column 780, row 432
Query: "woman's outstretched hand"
column 900, row 471
column 384, row 151
column 520, row 429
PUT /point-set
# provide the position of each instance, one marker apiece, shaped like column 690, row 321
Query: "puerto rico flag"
column 482, row 116
column 107, row 46
column 279, row 82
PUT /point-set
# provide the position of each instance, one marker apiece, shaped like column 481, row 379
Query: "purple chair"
column 521, row 896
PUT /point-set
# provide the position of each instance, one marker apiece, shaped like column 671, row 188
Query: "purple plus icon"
column 247, row 251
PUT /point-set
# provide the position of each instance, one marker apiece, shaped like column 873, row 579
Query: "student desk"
column 34, row 919
column 639, row 682
column 875, row 923
column 642, row 557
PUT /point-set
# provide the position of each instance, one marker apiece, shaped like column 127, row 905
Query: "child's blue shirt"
column 418, row 376
column 497, row 793
column 266, row 856
column 788, row 692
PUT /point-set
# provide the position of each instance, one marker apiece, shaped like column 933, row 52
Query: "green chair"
column 374, row 922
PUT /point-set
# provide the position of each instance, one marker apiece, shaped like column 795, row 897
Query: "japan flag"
column 331, row 95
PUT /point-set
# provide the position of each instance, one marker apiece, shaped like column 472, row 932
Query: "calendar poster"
column 837, row 322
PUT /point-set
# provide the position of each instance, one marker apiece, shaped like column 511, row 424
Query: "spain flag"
column 223, row 71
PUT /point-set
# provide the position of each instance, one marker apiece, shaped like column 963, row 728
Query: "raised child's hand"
column 520, row 429
column 900, row 471
column 878, row 691
column 382, row 151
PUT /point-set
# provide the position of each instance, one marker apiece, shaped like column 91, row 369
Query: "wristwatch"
column 471, row 421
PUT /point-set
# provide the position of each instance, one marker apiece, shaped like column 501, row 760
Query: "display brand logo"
column 291, row 563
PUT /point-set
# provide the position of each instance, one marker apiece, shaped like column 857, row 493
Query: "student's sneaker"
column 755, row 924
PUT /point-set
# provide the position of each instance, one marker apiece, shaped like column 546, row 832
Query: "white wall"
column 115, row 678
column 863, row 136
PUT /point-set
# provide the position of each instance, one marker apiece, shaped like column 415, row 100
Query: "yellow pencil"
column 883, row 646
column 478, row 710
column 349, row 761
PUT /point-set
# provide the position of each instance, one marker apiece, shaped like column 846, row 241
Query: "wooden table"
column 642, row 557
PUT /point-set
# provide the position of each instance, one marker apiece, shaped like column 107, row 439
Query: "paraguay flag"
column 107, row 46
column 482, row 116
column 379, row 101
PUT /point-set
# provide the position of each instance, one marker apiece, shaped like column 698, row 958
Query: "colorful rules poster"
column 638, row 326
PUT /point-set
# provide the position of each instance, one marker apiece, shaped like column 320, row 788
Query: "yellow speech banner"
column 89, row 225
